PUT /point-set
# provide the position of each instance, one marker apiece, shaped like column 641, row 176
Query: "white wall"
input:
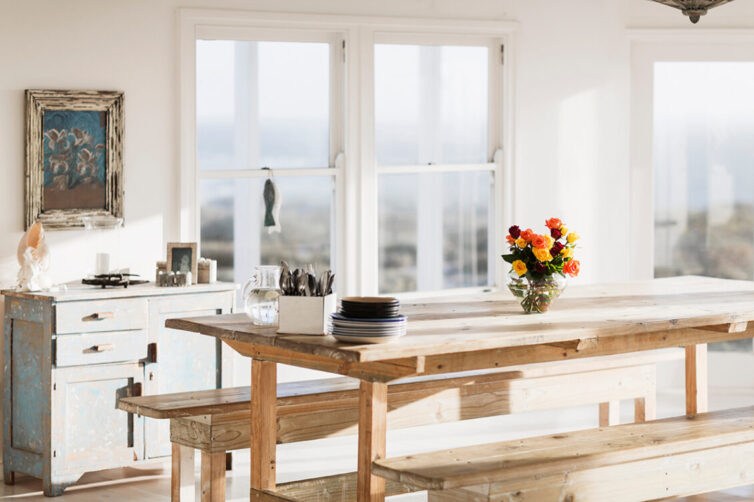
column 571, row 146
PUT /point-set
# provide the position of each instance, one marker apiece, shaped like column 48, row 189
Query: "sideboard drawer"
column 102, row 315
column 96, row 348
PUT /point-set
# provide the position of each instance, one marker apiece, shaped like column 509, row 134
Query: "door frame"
column 647, row 47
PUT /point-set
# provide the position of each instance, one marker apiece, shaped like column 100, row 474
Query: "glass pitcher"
column 260, row 296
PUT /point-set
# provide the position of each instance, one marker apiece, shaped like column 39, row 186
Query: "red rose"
column 556, row 249
column 539, row 268
column 515, row 231
column 555, row 233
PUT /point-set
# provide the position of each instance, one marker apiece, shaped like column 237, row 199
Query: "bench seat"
column 217, row 421
column 673, row 457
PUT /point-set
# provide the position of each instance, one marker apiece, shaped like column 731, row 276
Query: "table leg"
column 696, row 379
column 372, row 427
column 263, row 424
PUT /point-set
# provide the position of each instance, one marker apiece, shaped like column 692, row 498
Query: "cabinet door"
column 184, row 361
column 89, row 432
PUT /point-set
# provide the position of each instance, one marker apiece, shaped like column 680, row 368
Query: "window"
column 435, row 183
column 384, row 145
column 253, row 113
column 704, row 171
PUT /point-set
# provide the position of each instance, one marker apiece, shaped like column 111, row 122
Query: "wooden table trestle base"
column 486, row 331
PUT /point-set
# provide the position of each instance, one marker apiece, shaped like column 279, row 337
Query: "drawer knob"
column 104, row 347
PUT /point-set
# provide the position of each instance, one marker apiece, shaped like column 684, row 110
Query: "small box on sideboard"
column 305, row 315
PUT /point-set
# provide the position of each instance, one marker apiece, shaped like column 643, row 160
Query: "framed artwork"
column 182, row 258
column 74, row 159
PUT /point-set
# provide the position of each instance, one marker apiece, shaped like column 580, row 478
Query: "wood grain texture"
column 663, row 477
column 609, row 413
column 37, row 101
column 223, row 401
column 512, row 464
column 372, row 440
column 263, row 407
column 590, row 319
column 213, row 477
column 697, row 393
column 335, row 413
column 336, row 488
column 182, row 474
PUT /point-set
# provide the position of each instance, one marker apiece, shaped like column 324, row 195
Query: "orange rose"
column 510, row 240
column 540, row 242
column 553, row 223
column 572, row 267
column 527, row 234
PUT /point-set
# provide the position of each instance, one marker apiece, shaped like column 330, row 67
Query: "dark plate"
column 370, row 300
column 369, row 314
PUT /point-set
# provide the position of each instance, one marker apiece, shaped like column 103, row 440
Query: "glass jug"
column 260, row 296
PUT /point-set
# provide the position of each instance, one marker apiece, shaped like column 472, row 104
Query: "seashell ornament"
column 34, row 258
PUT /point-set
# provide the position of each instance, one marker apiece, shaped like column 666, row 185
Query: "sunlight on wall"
column 577, row 160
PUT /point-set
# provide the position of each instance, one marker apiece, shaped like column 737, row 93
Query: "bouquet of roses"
column 542, row 260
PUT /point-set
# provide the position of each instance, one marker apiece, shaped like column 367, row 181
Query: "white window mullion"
column 368, row 250
column 246, row 207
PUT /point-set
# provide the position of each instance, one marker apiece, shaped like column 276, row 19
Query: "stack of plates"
column 368, row 320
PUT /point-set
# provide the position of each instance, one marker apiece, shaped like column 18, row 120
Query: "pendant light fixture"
column 694, row 9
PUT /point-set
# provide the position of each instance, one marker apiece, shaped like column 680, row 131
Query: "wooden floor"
column 316, row 458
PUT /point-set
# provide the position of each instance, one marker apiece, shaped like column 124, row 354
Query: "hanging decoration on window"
column 272, row 200
column 694, row 9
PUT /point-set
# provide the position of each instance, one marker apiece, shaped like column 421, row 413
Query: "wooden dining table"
column 481, row 331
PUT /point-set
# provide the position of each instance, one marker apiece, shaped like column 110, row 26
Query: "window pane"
column 430, row 104
column 232, row 232
column 704, row 169
column 253, row 109
column 433, row 231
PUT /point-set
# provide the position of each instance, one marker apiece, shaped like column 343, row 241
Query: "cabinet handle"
column 152, row 353
column 98, row 316
column 104, row 347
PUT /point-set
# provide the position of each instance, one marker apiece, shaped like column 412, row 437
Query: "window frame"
column 353, row 162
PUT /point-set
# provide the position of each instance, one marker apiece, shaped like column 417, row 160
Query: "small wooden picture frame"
column 182, row 257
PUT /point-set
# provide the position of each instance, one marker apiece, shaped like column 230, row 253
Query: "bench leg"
column 645, row 409
column 182, row 474
column 263, row 424
column 372, row 428
column 696, row 379
column 609, row 413
column 213, row 477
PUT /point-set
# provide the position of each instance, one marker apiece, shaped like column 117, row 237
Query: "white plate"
column 367, row 333
column 365, row 339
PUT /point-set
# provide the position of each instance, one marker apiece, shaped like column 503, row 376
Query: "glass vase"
column 536, row 296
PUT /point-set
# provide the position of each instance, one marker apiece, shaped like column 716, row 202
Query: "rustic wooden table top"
column 584, row 316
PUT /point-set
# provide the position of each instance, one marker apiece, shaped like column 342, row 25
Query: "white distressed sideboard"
column 69, row 357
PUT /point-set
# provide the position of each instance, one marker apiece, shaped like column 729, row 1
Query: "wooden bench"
column 673, row 457
column 217, row 421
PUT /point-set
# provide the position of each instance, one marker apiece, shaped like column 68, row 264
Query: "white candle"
column 103, row 264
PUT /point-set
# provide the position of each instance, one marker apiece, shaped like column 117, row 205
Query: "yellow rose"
column 521, row 242
column 563, row 231
column 573, row 237
column 519, row 267
column 542, row 254
column 567, row 253
column 550, row 241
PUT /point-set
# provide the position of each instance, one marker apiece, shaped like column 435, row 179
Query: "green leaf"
column 509, row 258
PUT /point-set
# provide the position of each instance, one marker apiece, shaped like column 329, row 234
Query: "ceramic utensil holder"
column 306, row 315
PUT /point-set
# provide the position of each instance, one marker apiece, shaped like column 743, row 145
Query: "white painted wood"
column 97, row 348
column 102, row 315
